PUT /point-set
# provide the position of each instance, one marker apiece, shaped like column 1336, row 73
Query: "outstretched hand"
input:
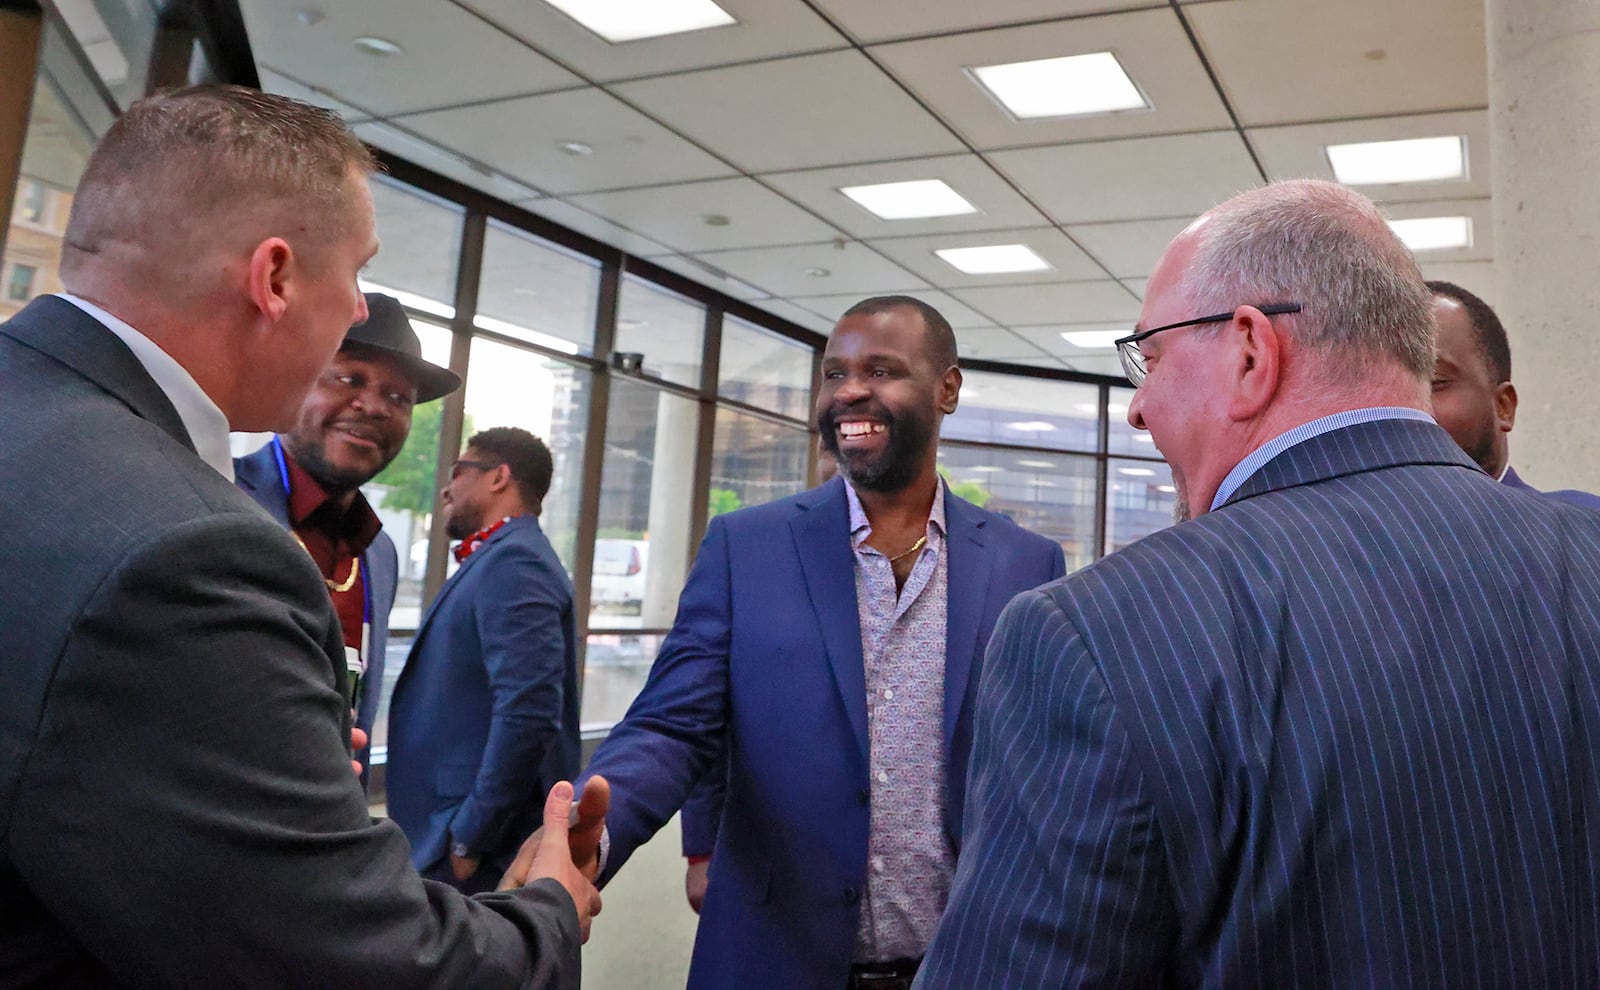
column 552, row 856
column 582, row 840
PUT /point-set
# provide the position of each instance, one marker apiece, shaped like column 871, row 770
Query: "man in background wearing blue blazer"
column 484, row 718
column 350, row 427
column 827, row 644
column 1337, row 731
column 1473, row 397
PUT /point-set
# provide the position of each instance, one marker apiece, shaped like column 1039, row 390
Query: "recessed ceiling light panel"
column 1092, row 339
column 1072, row 86
column 912, row 200
column 631, row 20
column 1434, row 233
column 994, row 259
column 377, row 46
column 1432, row 159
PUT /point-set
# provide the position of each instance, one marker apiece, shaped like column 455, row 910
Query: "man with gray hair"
column 1336, row 731
column 176, row 802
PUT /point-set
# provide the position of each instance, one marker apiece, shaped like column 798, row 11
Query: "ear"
column 950, row 390
column 1258, row 352
column 270, row 264
column 1505, row 406
column 500, row 478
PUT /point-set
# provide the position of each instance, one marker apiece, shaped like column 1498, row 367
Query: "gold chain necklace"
column 355, row 567
column 921, row 540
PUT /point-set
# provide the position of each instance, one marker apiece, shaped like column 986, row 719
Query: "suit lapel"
column 257, row 475
column 821, row 534
column 461, row 572
column 967, row 594
column 60, row 330
column 1354, row 450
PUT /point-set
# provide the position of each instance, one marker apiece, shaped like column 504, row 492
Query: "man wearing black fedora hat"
column 350, row 427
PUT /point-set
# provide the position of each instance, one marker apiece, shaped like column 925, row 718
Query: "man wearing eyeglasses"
column 484, row 718
column 354, row 422
column 1336, row 731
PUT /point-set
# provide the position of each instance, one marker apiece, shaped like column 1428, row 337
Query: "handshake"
column 567, row 848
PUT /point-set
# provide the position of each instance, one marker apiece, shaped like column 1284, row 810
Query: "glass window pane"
column 664, row 328
column 614, row 669
column 1049, row 494
column 1030, row 412
column 117, row 37
column 642, row 551
column 403, row 493
column 1123, row 438
column 538, row 292
column 1141, row 499
column 755, row 460
column 764, row 370
column 420, row 239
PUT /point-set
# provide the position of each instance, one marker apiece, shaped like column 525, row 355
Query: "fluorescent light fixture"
column 1434, row 233
column 1113, row 409
column 1137, row 472
column 1092, row 339
column 1166, row 488
column 910, row 200
column 1412, row 160
column 629, row 20
column 1072, row 86
column 995, row 259
column 1032, row 426
column 1035, row 464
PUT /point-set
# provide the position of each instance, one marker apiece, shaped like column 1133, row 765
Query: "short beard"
column 334, row 481
column 891, row 471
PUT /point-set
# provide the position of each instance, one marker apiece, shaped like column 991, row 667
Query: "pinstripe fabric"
column 1339, row 733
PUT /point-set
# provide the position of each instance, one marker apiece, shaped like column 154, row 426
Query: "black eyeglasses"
column 464, row 464
column 1133, row 359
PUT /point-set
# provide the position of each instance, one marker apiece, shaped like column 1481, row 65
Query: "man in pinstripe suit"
column 1337, row 731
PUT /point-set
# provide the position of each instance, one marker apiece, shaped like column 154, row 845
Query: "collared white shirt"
column 207, row 426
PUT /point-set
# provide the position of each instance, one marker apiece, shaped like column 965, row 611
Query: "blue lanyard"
column 283, row 476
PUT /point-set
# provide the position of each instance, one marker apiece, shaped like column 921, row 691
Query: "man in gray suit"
column 174, row 709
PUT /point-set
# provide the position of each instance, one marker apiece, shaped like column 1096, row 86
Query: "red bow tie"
column 468, row 546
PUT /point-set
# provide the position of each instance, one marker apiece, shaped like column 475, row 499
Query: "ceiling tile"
column 1477, row 277
column 1135, row 178
column 881, row 20
column 676, row 215
column 782, row 270
column 829, row 109
column 1130, row 249
column 447, row 162
column 796, row 314
column 1299, row 151
column 1136, row 285
column 709, row 276
column 765, row 30
column 449, row 56
column 1094, row 364
column 1066, row 302
column 1066, row 261
column 1150, row 44
column 1479, row 211
column 523, row 138
column 277, row 82
column 1049, row 339
column 1360, row 58
column 995, row 344
column 599, row 228
column 999, row 204
column 958, row 315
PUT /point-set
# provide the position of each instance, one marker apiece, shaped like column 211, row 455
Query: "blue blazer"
column 484, row 718
column 1571, row 495
column 765, row 659
column 1341, row 732
column 257, row 476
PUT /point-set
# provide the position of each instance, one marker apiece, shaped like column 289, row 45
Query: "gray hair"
column 1327, row 248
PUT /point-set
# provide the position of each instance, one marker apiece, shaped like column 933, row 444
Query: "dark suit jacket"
column 176, row 802
column 257, row 476
column 1341, row 732
column 765, row 656
column 484, row 718
column 1571, row 495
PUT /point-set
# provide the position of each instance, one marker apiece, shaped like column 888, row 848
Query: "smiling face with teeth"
column 882, row 397
column 355, row 420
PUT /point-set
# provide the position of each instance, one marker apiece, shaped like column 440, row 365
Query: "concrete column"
column 1544, row 107
column 20, row 29
column 671, row 484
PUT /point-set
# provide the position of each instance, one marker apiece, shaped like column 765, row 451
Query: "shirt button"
column 851, row 895
column 877, row 864
column 883, row 776
column 888, row 694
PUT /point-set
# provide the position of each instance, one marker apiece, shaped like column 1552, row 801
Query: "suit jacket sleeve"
column 1062, row 879
column 524, row 655
column 702, row 812
column 673, row 732
column 190, row 774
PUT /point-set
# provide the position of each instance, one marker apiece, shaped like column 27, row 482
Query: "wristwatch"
column 460, row 850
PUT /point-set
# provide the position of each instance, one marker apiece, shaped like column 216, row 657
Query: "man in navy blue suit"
column 1339, row 730
column 1473, row 397
column 352, row 424
column 484, row 718
column 826, row 644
